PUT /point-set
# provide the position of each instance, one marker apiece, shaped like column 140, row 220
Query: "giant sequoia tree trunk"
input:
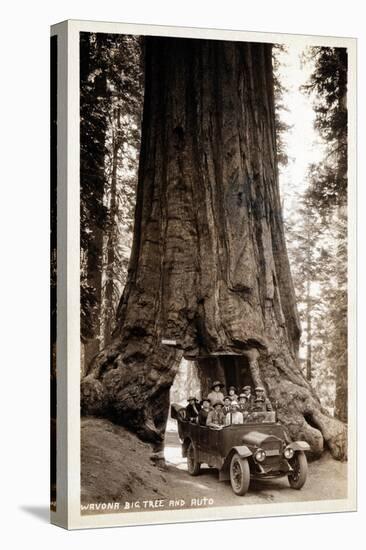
column 209, row 267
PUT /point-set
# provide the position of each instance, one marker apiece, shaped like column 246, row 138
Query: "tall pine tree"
column 328, row 194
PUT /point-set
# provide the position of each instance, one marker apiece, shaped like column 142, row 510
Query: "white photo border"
column 68, row 328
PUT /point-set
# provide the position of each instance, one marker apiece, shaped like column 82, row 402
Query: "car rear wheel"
column 192, row 463
column 299, row 465
column 239, row 475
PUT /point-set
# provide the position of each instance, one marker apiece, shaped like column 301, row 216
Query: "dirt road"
column 327, row 479
column 116, row 468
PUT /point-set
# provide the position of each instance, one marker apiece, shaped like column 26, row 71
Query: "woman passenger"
column 235, row 416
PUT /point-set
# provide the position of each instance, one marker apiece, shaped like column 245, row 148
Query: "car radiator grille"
column 272, row 448
column 272, row 452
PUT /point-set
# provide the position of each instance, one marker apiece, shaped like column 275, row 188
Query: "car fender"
column 299, row 446
column 242, row 450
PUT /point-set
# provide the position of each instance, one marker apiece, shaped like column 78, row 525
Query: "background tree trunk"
column 93, row 128
column 341, row 336
column 111, row 240
column 209, row 267
column 308, row 331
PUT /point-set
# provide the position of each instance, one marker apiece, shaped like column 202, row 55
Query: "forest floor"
column 116, row 470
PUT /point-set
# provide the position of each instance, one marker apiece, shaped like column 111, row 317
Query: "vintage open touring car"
column 258, row 449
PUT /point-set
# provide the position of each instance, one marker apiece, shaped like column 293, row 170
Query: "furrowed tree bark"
column 209, row 267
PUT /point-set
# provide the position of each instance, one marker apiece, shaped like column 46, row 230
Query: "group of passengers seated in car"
column 217, row 410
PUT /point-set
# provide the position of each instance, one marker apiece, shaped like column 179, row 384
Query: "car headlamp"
column 288, row 453
column 260, row 455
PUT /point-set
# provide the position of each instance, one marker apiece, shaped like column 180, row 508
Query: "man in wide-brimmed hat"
column 204, row 410
column 216, row 393
column 192, row 409
column 247, row 390
column 216, row 417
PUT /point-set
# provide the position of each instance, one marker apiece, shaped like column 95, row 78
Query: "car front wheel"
column 192, row 463
column 239, row 475
column 299, row 465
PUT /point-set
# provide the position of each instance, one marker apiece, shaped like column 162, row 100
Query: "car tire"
column 193, row 465
column 299, row 464
column 239, row 474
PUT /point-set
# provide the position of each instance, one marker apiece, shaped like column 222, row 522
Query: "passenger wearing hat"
column 216, row 393
column 227, row 404
column 192, row 409
column 204, row 410
column 232, row 393
column 247, row 390
column 243, row 403
column 235, row 416
column 261, row 403
column 216, row 417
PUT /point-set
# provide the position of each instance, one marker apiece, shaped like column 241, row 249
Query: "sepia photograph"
column 213, row 256
column 183, row 274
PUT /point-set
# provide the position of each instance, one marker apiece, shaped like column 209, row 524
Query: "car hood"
column 257, row 439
